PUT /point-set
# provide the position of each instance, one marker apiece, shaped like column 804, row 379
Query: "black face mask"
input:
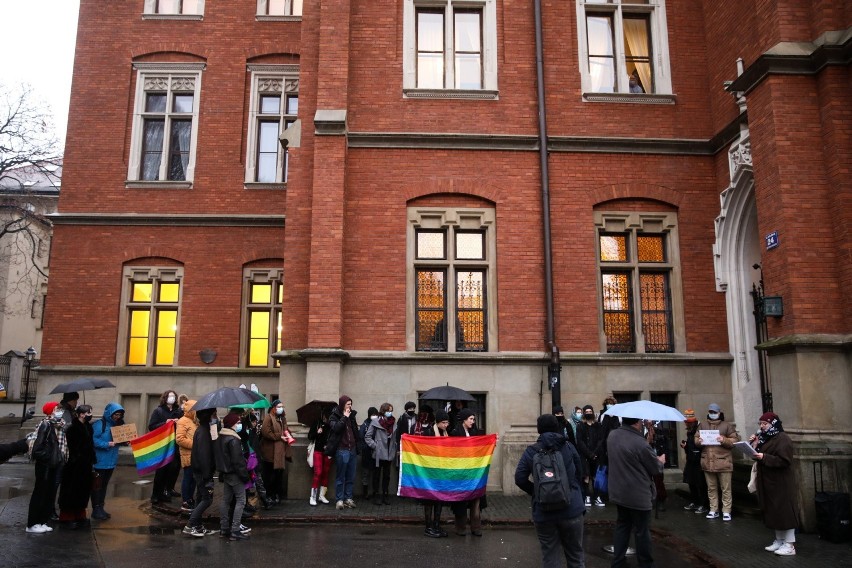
column 87, row 419
column 410, row 412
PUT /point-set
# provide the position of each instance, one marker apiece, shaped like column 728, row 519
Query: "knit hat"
column 464, row 414
column 689, row 415
column 714, row 408
column 547, row 423
column 558, row 410
column 49, row 407
column 343, row 400
column 440, row 416
column 275, row 403
column 231, row 419
column 768, row 417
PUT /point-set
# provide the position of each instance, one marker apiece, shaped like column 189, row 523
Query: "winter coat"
column 608, row 425
column 203, row 461
column 589, row 438
column 403, row 424
column 184, row 433
column 715, row 459
column 776, row 483
column 337, row 422
column 319, row 439
column 77, row 473
column 573, row 467
column 272, row 448
column 382, row 444
column 229, row 456
column 632, row 467
column 106, row 456
column 162, row 413
column 692, row 467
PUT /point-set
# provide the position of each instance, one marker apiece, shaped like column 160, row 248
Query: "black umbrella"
column 311, row 412
column 446, row 393
column 82, row 384
column 226, row 397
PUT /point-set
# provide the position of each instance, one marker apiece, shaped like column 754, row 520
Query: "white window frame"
column 660, row 64
column 451, row 219
column 155, row 275
column 635, row 224
column 290, row 6
column 260, row 276
column 489, row 49
column 275, row 79
column 148, row 75
column 150, row 12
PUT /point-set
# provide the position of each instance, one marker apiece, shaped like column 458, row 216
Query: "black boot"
column 430, row 524
column 385, row 500
column 436, row 526
column 365, row 493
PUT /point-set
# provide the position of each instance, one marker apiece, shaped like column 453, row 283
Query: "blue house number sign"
column 771, row 240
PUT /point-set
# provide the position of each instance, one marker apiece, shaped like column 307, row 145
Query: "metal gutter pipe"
column 554, row 368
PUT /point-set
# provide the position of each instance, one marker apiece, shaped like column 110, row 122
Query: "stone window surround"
column 262, row 16
column 144, row 70
column 256, row 276
column 132, row 274
column 637, row 223
column 659, row 51
column 467, row 218
column 288, row 74
column 149, row 12
column 489, row 50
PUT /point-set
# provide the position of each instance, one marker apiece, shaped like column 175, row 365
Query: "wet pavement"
column 296, row 534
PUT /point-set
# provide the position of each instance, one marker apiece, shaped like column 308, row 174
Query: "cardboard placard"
column 123, row 433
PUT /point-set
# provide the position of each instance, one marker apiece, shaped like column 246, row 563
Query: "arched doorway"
column 736, row 252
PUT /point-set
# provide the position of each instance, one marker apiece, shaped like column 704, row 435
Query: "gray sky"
column 37, row 47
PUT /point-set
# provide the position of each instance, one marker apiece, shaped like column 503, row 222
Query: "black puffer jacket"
column 336, row 423
column 161, row 414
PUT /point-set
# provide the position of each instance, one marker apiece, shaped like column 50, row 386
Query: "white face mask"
column 58, row 414
column 713, row 415
column 279, row 411
column 238, row 427
column 170, row 399
column 373, row 417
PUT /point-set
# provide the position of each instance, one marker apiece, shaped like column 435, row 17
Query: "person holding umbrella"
column 318, row 434
column 69, row 405
column 203, row 469
column 77, row 474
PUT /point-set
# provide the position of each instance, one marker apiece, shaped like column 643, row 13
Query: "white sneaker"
column 588, row 501
column 599, row 503
column 712, row 515
column 36, row 529
column 786, row 549
column 339, row 505
column 726, row 516
column 47, row 528
column 776, row 544
column 690, row 507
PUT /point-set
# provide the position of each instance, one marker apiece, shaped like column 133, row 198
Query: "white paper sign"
column 708, row 437
column 746, row 449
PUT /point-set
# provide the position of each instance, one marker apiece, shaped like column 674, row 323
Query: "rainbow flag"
column 445, row 469
column 155, row 449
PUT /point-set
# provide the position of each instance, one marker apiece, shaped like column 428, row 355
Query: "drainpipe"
column 554, row 368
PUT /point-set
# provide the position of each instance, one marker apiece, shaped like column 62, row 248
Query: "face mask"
column 578, row 416
column 170, row 399
column 713, row 415
column 373, row 417
column 238, row 427
column 410, row 412
column 589, row 416
column 88, row 418
column 279, row 411
column 58, row 414
column 388, row 414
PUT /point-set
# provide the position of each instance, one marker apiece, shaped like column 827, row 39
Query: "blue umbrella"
column 646, row 410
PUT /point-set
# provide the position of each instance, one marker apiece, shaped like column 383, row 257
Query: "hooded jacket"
column 229, row 456
column 573, row 467
column 184, row 432
column 337, row 422
column 202, row 461
column 105, row 455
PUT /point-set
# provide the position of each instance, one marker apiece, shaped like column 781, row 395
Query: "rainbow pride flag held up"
column 445, row 469
column 155, row 449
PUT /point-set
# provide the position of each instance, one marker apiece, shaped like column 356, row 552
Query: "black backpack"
column 552, row 487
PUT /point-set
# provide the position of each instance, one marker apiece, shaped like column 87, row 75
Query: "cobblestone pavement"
column 699, row 541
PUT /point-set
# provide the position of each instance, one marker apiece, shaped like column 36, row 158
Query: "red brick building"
column 414, row 234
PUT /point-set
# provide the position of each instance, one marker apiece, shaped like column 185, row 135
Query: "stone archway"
column 736, row 251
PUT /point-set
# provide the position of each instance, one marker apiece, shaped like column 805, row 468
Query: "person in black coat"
column 407, row 421
column 468, row 511
column 589, row 441
column 77, row 474
column 693, row 475
column 165, row 478
column 50, row 451
column 342, row 446
column 231, row 463
column 368, row 462
column 203, row 469
column 8, row 451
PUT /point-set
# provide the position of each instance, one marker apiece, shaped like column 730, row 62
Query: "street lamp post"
column 31, row 353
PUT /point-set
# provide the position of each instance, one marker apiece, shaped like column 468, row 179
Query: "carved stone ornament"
column 269, row 85
column 156, row 83
column 183, row 83
column 292, row 86
column 740, row 156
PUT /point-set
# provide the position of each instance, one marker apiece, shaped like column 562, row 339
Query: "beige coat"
column 272, row 448
column 184, row 432
column 717, row 459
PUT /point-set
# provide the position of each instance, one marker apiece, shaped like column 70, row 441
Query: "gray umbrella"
column 446, row 393
column 227, row 397
column 82, row 384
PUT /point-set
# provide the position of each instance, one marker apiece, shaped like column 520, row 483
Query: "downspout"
column 554, row 368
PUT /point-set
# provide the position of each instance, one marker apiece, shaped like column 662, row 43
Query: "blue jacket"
column 552, row 440
column 106, row 456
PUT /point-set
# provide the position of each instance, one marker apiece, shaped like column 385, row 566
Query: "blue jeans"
column 187, row 484
column 639, row 523
column 564, row 536
column 347, row 461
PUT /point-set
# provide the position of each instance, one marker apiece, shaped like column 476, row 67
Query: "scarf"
column 57, row 426
column 419, row 426
column 764, row 436
column 387, row 424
